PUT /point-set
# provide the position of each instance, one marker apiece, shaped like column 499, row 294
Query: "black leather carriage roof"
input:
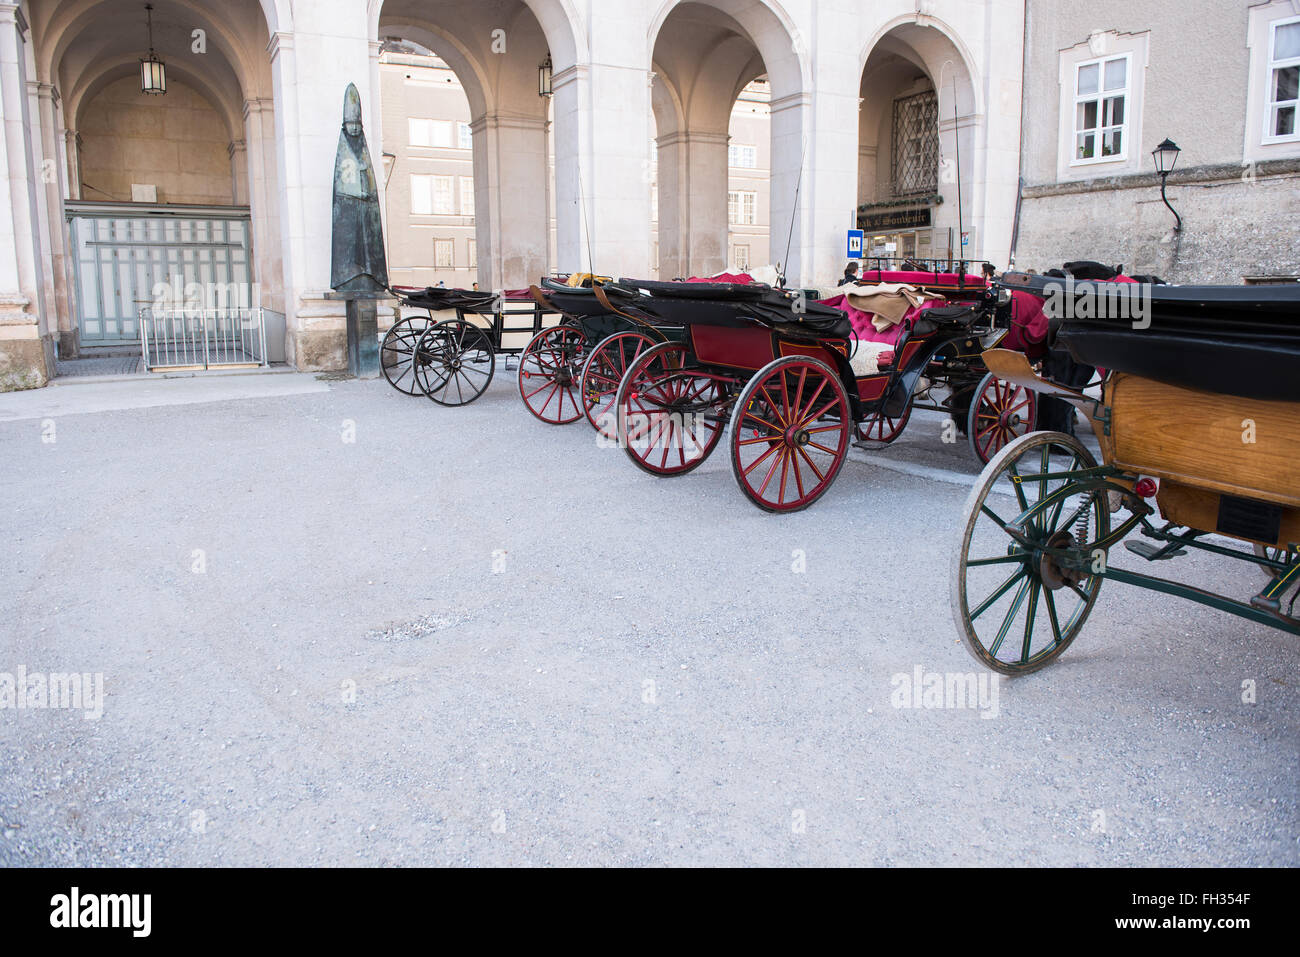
column 1234, row 340
column 733, row 305
column 700, row 290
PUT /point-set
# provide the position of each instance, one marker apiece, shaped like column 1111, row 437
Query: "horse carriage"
column 988, row 410
column 452, row 359
column 783, row 376
column 1198, row 422
column 578, row 364
column 572, row 354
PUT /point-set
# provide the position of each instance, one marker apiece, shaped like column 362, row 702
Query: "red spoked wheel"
column 603, row 371
column 999, row 413
column 790, row 433
column 669, row 417
column 548, row 374
column 882, row 429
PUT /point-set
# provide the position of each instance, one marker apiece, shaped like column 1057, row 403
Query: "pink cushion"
column 740, row 278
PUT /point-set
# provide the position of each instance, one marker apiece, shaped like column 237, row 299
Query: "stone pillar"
column 311, row 68
column 238, row 153
column 791, row 195
column 510, row 200
column 692, row 203
column 26, row 347
column 72, row 163
column 263, row 203
column 602, row 162
column 60, row 296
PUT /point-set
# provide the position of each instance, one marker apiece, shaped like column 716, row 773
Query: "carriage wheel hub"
column 795, row 437
column 1053, row 576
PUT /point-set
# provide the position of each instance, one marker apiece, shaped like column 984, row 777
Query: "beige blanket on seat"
column 888, row 302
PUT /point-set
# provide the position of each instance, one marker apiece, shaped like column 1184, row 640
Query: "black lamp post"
column 1166, row 155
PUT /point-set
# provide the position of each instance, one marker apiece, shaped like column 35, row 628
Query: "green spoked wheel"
column 1018, row 600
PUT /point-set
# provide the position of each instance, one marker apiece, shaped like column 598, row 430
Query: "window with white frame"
column 467, row 196
column 444, row 199
column 473, row 253
column 421, row 194
column 1283, row 80
column 1101, row 96
column 740, row 258
column 741, row 156
column 464, row 136
column 429, row 132
column 444, row 253
column 741, row 207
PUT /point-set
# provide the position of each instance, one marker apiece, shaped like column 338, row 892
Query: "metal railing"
column 174, row 339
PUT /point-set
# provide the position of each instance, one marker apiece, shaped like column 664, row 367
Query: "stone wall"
column 176, row 142
column 1236, row 224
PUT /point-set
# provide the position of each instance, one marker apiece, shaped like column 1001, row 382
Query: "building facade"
column 1114, row 79
column 575, row 108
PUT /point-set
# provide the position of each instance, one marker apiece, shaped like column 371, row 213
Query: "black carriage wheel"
column 1016, row 609
column 397, row 352
column 454, row 362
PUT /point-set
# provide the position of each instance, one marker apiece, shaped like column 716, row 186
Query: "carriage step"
column 1153, row 553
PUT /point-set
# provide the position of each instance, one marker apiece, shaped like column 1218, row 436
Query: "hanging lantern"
column 153, row 72
column 544, row 77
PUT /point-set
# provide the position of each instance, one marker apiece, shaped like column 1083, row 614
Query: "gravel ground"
column 467, row 637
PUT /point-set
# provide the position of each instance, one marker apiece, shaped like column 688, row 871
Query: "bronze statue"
column 357, row 261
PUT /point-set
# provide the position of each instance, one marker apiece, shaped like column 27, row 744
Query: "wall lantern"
column 153, row 72
column 544, row 77
column 1166, row 155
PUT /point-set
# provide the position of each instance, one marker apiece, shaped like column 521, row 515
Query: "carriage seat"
column 870, row 358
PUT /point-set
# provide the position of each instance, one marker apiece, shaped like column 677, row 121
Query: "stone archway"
column 211, row 143
column 917, row 144
column 704, row 55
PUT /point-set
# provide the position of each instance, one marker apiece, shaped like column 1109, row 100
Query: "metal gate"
column 174, row 339
column 124, row 253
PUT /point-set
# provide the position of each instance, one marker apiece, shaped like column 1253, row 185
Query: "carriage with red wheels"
column 571, row 349
column 573, row 369
column 781, row 376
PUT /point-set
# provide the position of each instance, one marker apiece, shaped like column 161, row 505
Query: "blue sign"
column 855, row 244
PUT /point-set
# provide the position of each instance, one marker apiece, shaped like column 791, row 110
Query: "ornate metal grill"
column 916, row 144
